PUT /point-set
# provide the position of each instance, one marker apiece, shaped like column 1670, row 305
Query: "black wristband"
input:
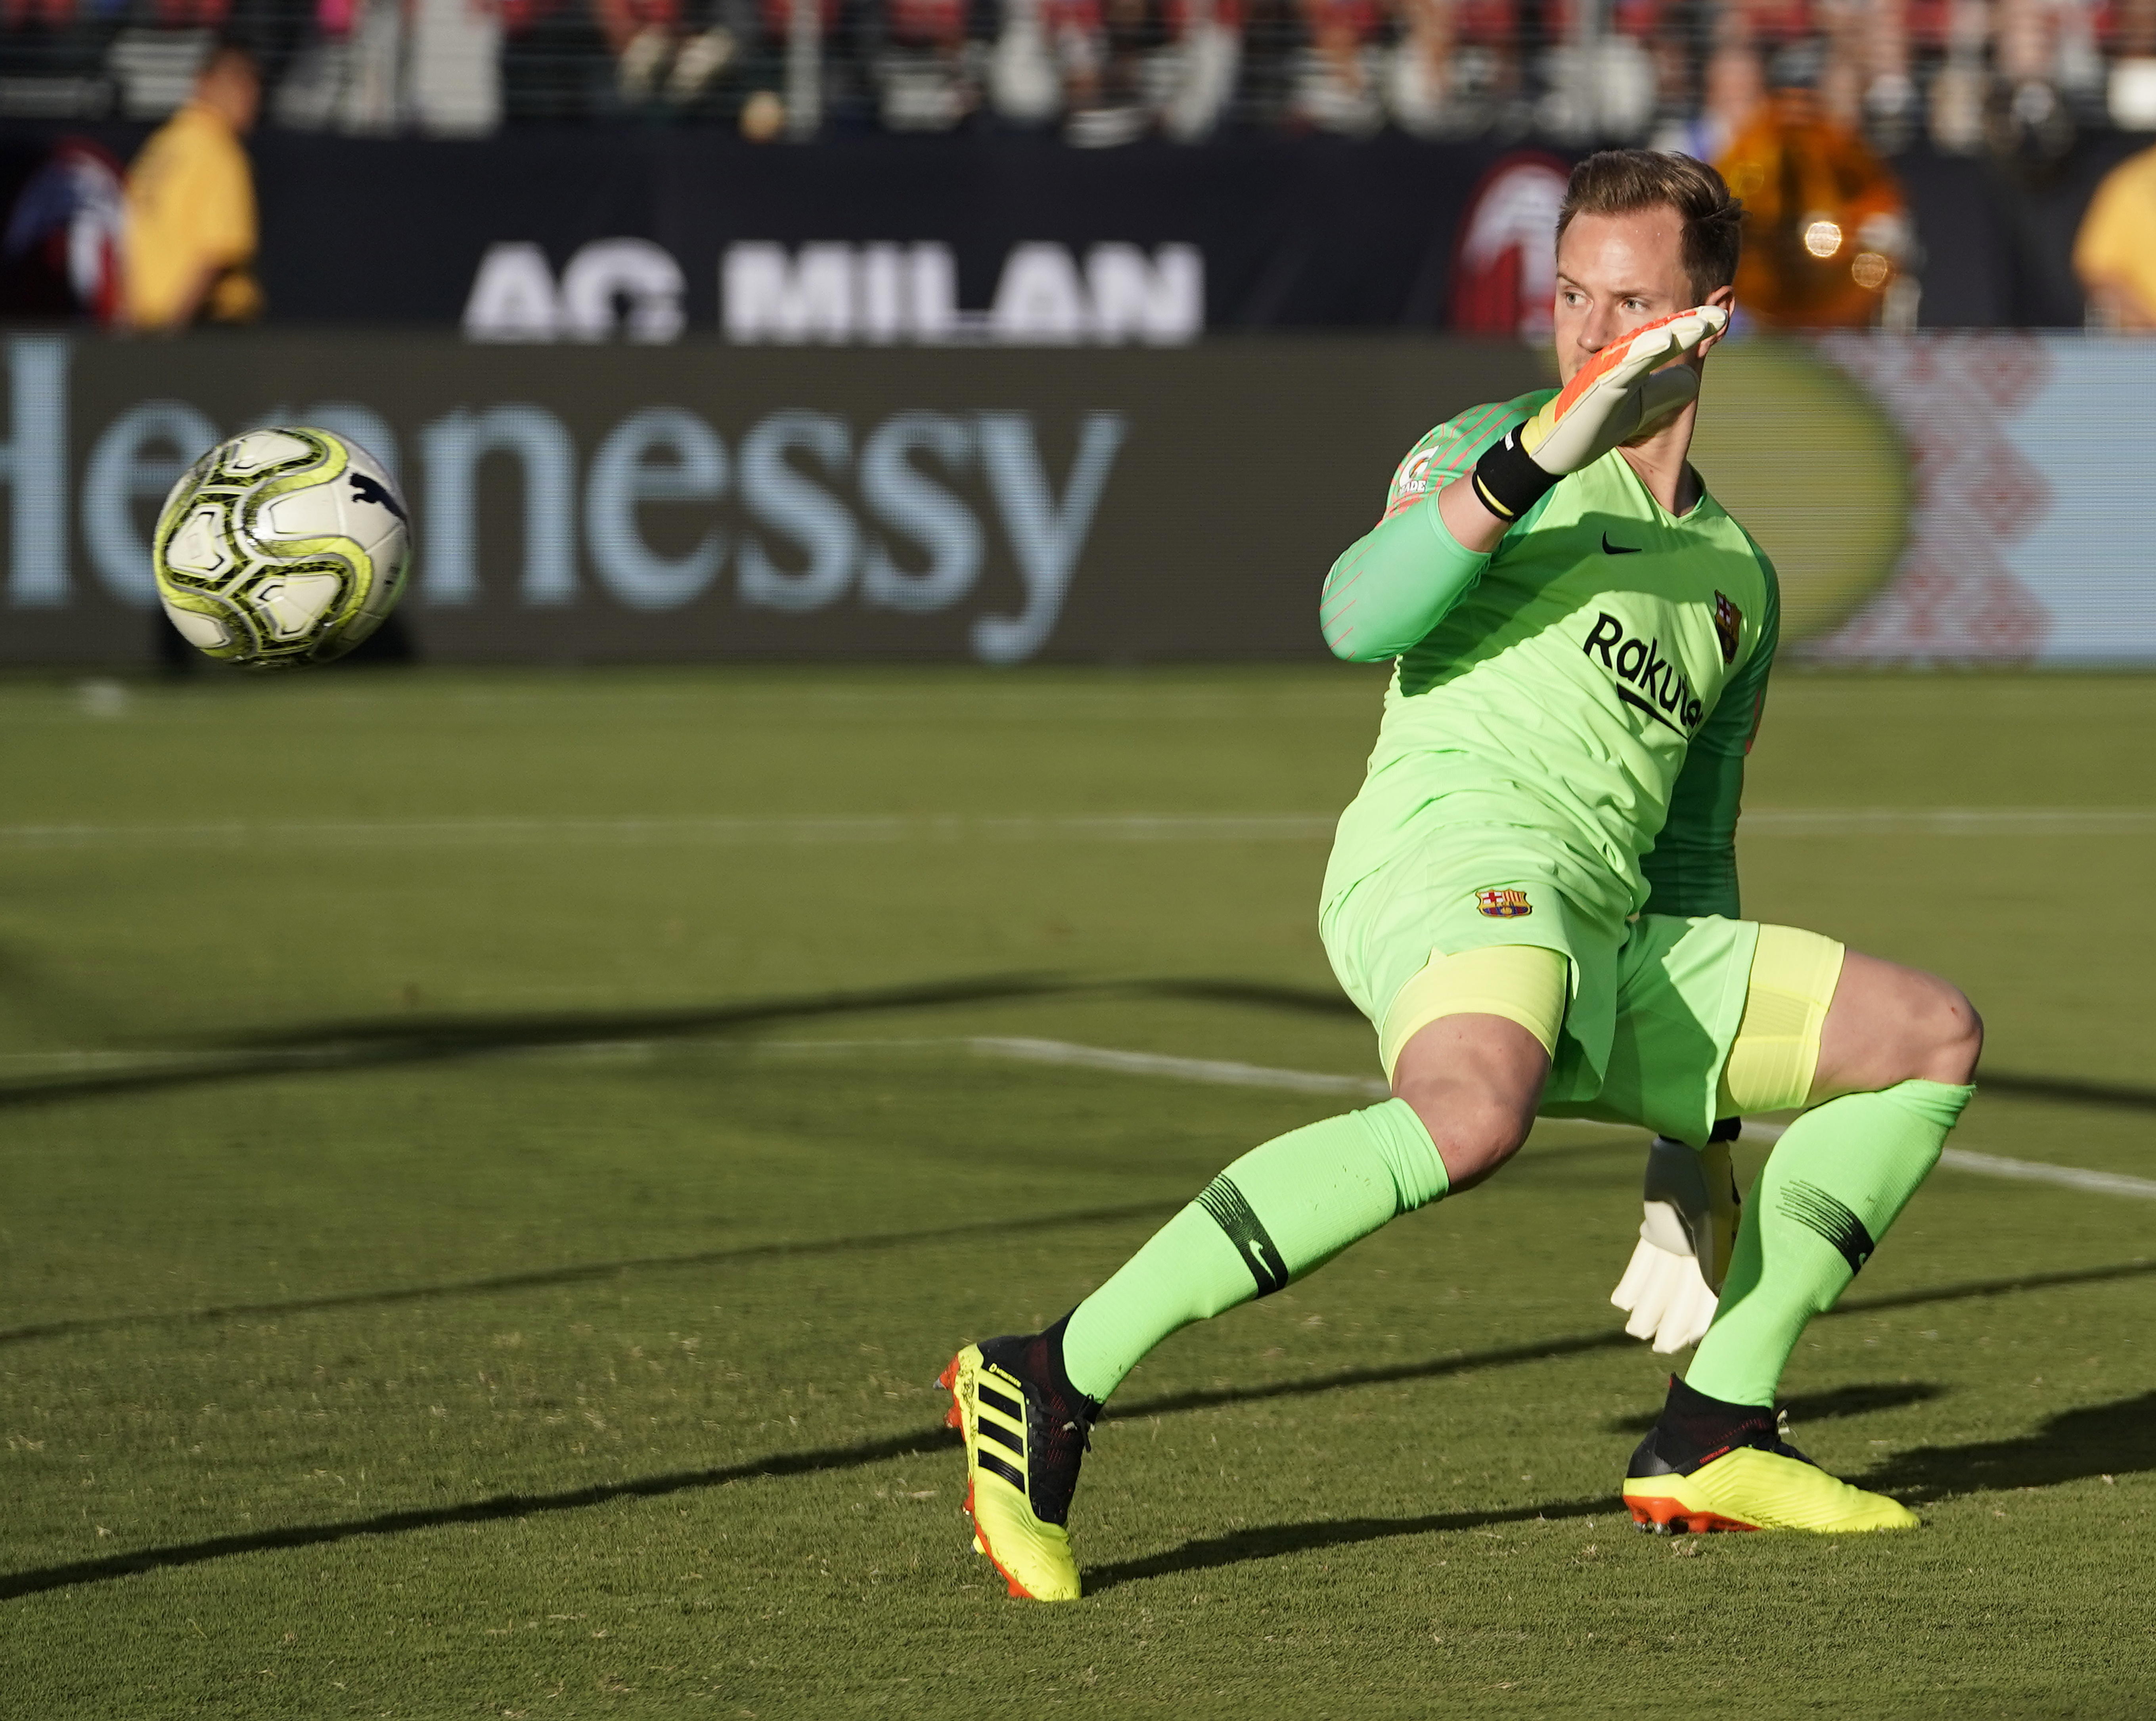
column 1507, row 479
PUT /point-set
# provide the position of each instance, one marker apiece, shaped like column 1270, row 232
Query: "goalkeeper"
column 1533, row 898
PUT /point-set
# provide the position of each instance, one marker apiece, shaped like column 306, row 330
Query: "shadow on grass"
column 1274, row 1541
column 2111, row 1095
column 2107, row 1440
column 586, row 1272
column 2115, row 1439
column 1583, row 1343
column 380, row 1042
column 589, row 1270
column 1857, row 1401
column 13, row 1585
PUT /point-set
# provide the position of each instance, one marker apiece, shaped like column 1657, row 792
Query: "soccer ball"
column 283, row 545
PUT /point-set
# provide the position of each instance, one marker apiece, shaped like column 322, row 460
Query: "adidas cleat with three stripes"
column 1708, row 1466
column 1026, row 1433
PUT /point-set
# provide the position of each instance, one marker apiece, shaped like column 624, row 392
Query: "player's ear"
column 1723, row 299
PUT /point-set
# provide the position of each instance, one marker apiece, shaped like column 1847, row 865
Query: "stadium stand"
column 1965, row 75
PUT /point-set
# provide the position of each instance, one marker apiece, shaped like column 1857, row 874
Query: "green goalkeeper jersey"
column 1585, row 695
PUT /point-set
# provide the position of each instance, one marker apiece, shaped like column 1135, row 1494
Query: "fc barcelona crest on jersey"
column 1503, row 905
column 1729, row 624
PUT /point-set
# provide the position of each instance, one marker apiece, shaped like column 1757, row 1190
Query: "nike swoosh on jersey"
column 1633, row 698
column 1610, row 549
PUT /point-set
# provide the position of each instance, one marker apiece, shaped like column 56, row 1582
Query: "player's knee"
column 1954, row 1035
column 1474, row 1133
column 1937, row 1035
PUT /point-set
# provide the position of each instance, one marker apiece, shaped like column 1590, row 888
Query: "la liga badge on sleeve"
column 1503, row 905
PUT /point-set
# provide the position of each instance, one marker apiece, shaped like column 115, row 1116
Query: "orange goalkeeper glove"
column 1617, row 395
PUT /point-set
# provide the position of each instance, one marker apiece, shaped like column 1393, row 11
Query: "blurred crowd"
column 1967, row 73
column 1799, row 102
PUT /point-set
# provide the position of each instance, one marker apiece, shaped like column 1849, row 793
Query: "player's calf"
column 1285, row 1208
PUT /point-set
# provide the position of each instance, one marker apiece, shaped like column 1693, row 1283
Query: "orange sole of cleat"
column 1670, row 1518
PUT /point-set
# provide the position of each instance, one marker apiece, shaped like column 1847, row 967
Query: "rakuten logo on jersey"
column 1646, row 679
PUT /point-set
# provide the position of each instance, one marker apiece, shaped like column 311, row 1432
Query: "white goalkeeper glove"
column 1619, row 393
column 1685, row 1241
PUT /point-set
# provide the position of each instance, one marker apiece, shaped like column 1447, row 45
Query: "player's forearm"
column 1398, row 581
column 1472, row 525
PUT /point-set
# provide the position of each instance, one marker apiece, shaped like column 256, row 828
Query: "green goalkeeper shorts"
column 1656, row 1004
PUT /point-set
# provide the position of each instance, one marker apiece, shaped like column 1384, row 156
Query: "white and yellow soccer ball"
column 285, row 545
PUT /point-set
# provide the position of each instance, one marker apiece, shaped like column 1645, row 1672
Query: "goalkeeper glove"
column 1614, row 397
column 1685, row 1241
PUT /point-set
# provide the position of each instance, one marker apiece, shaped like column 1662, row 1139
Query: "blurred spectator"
column 1337, row 86
column 2115, row 251
column 347, row 79
column 61, row 254
column 1733, row 92
column 927, row 73
column 452, row 72
column 1455, row 67
column 1119, row 68
column 793, row 66
column 191, row 232
column 661, row 56
column 2011, row 77
column 2133, row 81
column 1024, row 75
column 1882, row 51
column 1420, row 89
column 1826, row 229
column 1200, row 67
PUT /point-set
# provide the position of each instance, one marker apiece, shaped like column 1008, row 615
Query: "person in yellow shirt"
column 191, row 233
column 2115, row 252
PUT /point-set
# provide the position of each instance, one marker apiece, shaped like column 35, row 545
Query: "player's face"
column 1614, row 274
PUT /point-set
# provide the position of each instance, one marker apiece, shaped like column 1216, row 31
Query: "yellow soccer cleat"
column 1025, row 1437
column 1711, row 1466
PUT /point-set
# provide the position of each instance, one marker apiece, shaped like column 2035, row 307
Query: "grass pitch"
column 491, row 1164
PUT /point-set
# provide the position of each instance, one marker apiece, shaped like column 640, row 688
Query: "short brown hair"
column 1617, row 182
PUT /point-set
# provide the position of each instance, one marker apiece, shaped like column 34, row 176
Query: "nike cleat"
column 1026, row 1431
column 1706, row 1465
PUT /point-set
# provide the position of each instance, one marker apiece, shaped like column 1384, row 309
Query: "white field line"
column 2094, row 1183
column 1118, row 827
column 1147, row 1063
column 1214, row 1072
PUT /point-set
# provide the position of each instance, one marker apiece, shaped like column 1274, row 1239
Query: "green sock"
column 1281, row 1210
column 1831, row 1189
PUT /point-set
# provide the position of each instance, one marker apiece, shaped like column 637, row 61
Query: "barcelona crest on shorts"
column 1503, row 905
column 1729, row 624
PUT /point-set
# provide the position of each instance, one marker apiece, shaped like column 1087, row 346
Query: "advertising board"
column 1926, row 499
column 599, row 503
